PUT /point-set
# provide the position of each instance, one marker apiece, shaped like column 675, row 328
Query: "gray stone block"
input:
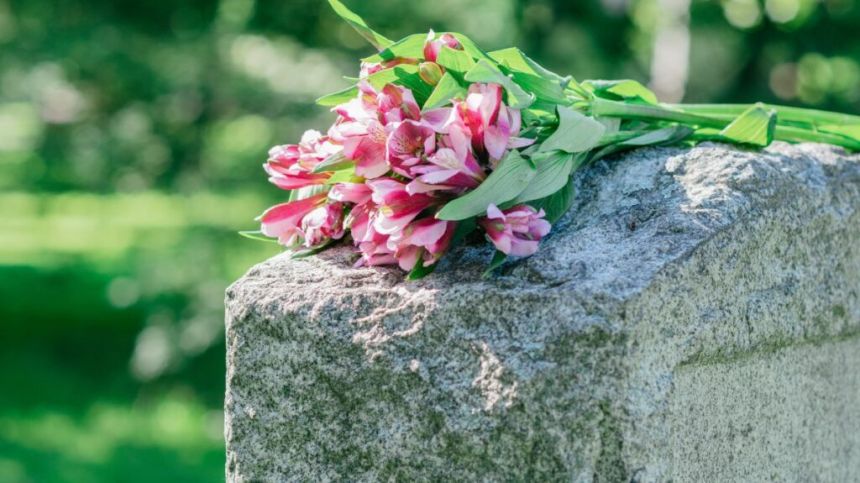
column 695, row 317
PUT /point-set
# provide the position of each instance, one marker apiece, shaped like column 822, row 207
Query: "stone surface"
column 695, row 317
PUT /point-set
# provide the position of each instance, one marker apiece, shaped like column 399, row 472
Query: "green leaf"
column 338, row 97
column 377, row 40
column 513, row 58
column 556, row 204
column 307, row 192
column 346, row 175
column 576, row 132
column 533, row 115
column 419, row 271
column 498, row 259
column 658, row 137
column 484, row 71
column 448, row 88
column 455, row 60
column 462, row 230
column 411, row 47
column 386, row 76
column 257, row 235
column 754, row 126
column 544, row 89
column 304, row 253
column 553, row 172
column 470, row 47
column 851, row 130
column 666, row 135
column 625, row 89
column 334, row 162
column 509, row 179
column 405, row 75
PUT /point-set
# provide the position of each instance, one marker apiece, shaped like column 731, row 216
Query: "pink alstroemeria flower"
column 313, row 148
column 391, row 104
column 365, row 122
column 356, row 193
column 424, row 240
column 396, row 206
column 492, row 124
column 517, row 230
column 396, row 103
column 372, row 245
column 292, row 178
column 364, row 143
column 370, row 68
column 447, row 170
column 284, row 221
column 322, row 224
column 408, row 145
column 432, row 46
column 289, row 165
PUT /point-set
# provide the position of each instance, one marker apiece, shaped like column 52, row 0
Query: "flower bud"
column 430, row 72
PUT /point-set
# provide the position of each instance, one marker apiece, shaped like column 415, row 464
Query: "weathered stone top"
column 669, row 256
column 632, row 218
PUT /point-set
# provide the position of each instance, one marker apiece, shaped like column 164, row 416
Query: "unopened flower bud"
column 430, row 72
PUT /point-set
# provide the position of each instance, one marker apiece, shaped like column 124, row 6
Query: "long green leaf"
column 576, row 132
column 335, row 162
column 851, row 130
column 345, row 175
column 543, row 89
column 625, row 89
column 307, row 252
column 471, row 47
column 514, row 59
column 658, row 137
column 666, row 135
column 307, row 192
column 463, row 229
column 419, row 271
column 553, row 172
column 508, row 180
column 257, row 235
column 499, row 258
column 410, row 47
column 755, row 126
column 377, row 40
column 556, row 204
column 405, row 75
column 338, row 97
column 455, row 60
column 448, row 88
column 485, row 71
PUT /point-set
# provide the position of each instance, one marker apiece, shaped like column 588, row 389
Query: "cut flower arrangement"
column 439, row 139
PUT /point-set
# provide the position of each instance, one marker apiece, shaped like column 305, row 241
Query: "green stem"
column 798, row 134
column 607, row 108
column 716, row 116
column 784, row 113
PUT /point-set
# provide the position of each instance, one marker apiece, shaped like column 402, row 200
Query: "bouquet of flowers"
column 439, row 139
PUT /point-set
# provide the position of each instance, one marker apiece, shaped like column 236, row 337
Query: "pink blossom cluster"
column 408, row 163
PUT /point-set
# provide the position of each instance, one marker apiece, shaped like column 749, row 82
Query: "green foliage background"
column 131, row 139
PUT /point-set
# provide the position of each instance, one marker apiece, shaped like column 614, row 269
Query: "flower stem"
column 793, row 124
column 784, row 113
column 608, row 108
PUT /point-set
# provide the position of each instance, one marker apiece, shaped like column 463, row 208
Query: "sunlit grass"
column 39, row 229
column 85, row 277
column 171, row 437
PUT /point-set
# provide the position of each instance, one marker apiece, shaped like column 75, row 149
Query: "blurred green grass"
column 111, row 336
column 131, row 139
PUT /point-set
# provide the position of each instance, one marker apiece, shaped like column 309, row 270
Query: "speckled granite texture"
column 695, row 317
